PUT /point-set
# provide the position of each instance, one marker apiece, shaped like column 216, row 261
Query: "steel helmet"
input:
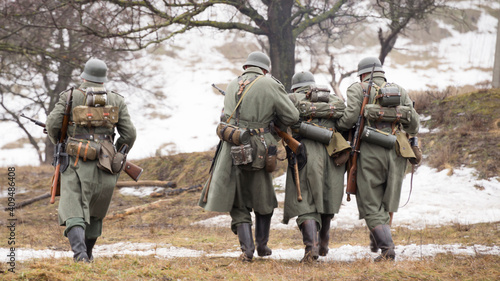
column 302, row 78
column 95, row 70
column 366, row 65
column 258, row 59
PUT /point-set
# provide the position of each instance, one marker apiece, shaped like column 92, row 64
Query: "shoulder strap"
column 244, row 93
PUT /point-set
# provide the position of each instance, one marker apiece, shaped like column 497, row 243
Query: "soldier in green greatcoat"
column 86, row 190
column 321, row 179
column 381, row 169
column 239, row 189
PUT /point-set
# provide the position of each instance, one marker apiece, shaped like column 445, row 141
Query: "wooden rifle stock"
column 295, row 146
column 56, row 183
column 352, row 184
column 133, row 170
column 289, row 140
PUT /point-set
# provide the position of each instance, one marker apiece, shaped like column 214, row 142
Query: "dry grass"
column 466, row 129
column 441, row 267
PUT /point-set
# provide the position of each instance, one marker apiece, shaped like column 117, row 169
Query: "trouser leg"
column 309, row 231
column 262, row 227
column 324, row 234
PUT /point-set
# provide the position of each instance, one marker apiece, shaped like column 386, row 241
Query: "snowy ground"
column 343, row 253
column 437, row 199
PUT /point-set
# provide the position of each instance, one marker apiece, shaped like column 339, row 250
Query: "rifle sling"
column 243, row 95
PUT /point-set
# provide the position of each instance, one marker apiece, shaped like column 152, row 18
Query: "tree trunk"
column 496, row 66
column 386, row 44
column 64, row 75
column 281, row 41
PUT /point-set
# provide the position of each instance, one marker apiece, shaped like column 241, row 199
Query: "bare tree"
column 40, row 55
column 281, row 22
column 496, row 65
column 400, row 14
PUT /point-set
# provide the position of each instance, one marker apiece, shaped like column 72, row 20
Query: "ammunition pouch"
column 378, row 137
column 389, row 96
column 401, row 114
column 403, row 147
column 315, row 133
column 325, row 110
column 232, row 134
column 110, row 160
column 251, row 156
column 101, row 116
column 241, row 154
column 85, row 149
column 339, row 149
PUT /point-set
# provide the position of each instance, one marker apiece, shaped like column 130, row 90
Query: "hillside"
column 461, row 130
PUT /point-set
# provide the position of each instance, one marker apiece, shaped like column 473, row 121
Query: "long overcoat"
column 321, row 181
column 264, row 102
column 86, row 190
column 380, row 170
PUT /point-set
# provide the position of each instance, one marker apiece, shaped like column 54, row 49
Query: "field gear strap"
column 377, row 90
column 411, row 184
column 243, row 85
column 78, row 153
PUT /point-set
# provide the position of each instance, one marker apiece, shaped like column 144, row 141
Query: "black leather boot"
column 383, row 239
column 324, row 234
column 373, row 244
column 310, row 238
column 90, row 245
column 262, row 227
column 245, row 236
column 76, row 237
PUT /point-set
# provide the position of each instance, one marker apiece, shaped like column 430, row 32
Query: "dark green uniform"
column 235, row 190
column 321, row 181
column 380, row 170
column 86, row 190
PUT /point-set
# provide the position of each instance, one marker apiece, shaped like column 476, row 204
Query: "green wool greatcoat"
column 321, row 181
column 86, row 190
column 380, row 171
column 231, row 189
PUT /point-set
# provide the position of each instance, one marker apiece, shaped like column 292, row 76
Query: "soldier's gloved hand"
column 416, row 151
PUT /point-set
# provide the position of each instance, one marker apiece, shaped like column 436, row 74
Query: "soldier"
column 86, row 187
column 321, row 180
column 381, row 167
column 252, row 102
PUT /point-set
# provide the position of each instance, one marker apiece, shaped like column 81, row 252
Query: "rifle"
column 60, row 147
column 296, row 148
column 219, row 89
column 36, row 122
column 132, row 170
column 294, row 145
column 352, row 185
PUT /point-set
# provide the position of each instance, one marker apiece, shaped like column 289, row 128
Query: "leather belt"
column 94, row 137
column 256, row 131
